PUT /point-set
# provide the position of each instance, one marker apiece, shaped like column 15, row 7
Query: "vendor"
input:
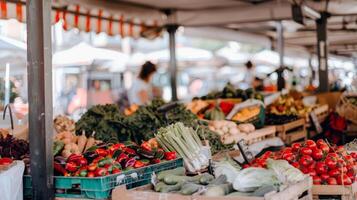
column 141, row 91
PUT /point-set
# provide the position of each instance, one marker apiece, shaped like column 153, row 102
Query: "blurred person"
column 250, row 74
column 141, row 91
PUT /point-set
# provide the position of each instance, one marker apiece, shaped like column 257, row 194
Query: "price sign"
column 316, row 122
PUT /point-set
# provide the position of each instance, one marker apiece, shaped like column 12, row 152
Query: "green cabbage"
column 286, row 173
column 250, row 179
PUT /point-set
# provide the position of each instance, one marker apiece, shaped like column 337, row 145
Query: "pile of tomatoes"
column 327, row 165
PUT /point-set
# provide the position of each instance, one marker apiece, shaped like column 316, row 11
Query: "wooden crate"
column 233, row 100
column 260, row 134
column 292, row 192
column 342, row 192
column 292, row 131
column 321, row 111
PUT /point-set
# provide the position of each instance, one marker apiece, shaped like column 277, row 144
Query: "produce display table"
column 292, row 131
column 290, row 192
column 344, row 192
column 11, row 182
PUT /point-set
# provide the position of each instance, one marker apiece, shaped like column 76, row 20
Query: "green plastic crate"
column 101, row 187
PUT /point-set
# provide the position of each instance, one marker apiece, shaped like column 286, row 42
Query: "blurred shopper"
column 141, row 91
column 250, row 74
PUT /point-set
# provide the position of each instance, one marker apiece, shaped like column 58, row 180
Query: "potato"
column 234, row 131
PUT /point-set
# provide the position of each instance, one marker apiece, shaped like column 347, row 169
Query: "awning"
column 88, row 19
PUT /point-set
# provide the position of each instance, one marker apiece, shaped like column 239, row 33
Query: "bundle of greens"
column 105, row 120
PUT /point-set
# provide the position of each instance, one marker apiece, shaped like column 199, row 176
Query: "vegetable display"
column 184, row 141
column 325, row 164
column 62, row 124
column 287, row 105
column 104, row 159
column 273, row 119
column 12, row 147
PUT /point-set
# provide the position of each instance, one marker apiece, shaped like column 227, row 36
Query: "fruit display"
column 214, row 113
column 287, row 105
column 104, row 159
column 229, row 91
column 230, row 132
column 196, row 106
column 12, row 147
column 62, row 123
column 326, row 165
column 247, row 113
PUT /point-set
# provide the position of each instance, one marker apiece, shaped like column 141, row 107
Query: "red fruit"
column 317, row 154
column 331, row 163
column 305, row 151
column 304, row 170
column 349, row 159
column 340, row 149
column 354, row 155
column 312, row 166
column 316, row 180
column 332, row 155
column 246, row 166
column 324, row 177
column 305, row 160
column 288, row 149
column 296, row 164
column 296, row 147
column 325, row 148
column 312, row 173
column 310, row 143
column 334, row 172
column 344, row 180
column 288, row 156
column 320, row 142
column 321, row 168
column 331, row 181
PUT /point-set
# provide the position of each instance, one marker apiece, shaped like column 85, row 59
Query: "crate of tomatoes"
column 102, row 167
column 332, row 168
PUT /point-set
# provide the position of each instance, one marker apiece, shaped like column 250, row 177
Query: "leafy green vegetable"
column 285, row 172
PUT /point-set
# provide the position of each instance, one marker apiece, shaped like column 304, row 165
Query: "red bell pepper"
column 5, row 161
column 226, row 107
column 82, row 162
column 129, row 151
column 59, row 169
column 90, row 174
column 101, row 172
column 155, row 161
column 71, row 166
column 92, row 167
column 74, row 158
column 116, row 171
column 138, row 164
column 115, row 147
column 146, row 146
column 101, row 152
column 122, row 157
column 170, row 155
column 97, row 159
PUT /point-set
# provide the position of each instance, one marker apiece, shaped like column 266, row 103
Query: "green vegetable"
column 219, row 180
column 186, row 143
column 162, row 187
column 189, row 188
column 173, row 179
column 205, row 178
column 285, row 172
column 180, row 171
column 219, row 190
column 250, row 179
column 227, row 167
column 214, row 114
column 260, row 192
column 57, row 147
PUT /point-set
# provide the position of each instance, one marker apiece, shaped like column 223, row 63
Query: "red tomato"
column 288, row 149
column 304, row 170
column 296, row 147
column 354, row 155
column 334, row 172
column 351, row 174
column 331, row 163
column 332, row 155
column 317, row 154
column 344, row 180
column 340, row 149
column 349, row 159
column 288, row 156
column 325, row 148
column 312, row 173
column 331, row 181
column 305, row 160
column 321, row 168
column 296, row 164
column 324, row 177
column 312, row 166
column 267, row 154
column 316, row 180
column 246, row 166
column 320, row 142
column 305, row 151
column 310, row 143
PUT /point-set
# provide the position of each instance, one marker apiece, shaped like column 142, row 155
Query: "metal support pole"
column 39, row 58
column 280, row 47
column 322, row 53
column 171, row 29
column 313, row 73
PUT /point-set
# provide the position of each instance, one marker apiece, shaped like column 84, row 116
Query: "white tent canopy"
column 84, row 54
column 182, row 54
